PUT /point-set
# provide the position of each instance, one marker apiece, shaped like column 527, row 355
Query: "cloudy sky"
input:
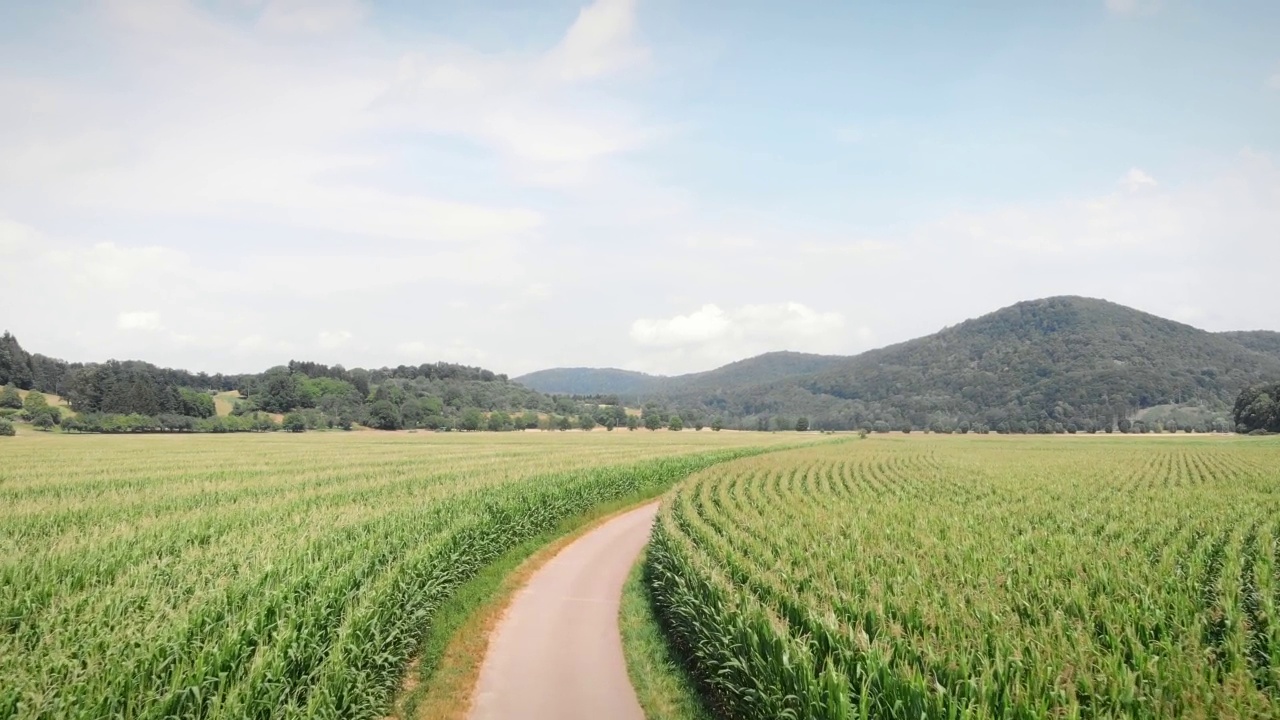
column 660, row 185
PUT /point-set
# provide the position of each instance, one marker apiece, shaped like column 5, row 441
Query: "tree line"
column 135, row 396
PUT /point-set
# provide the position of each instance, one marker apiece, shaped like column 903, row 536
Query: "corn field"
column 274, row 576
column 945, row 577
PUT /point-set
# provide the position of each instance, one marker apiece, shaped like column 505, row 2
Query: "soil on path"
column 557, row 653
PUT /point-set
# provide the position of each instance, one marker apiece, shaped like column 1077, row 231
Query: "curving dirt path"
column 557, row 654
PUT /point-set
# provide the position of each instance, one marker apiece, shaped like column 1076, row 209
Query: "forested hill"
column 1062, row 360
column 590, row 381
column 766, row 368
column 1065, row 362
column 769, row 367
column 1263, row 341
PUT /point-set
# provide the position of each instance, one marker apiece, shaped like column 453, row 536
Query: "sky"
column 658, row 185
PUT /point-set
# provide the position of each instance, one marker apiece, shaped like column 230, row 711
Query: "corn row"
column 274, row 577
column 979, row 578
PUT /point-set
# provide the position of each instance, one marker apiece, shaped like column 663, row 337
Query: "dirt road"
column 556, row 654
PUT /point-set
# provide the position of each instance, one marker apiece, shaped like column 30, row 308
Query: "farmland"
column 979, row 577
column 273, row 575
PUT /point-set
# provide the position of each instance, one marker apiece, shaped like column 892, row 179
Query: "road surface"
column 557, row 654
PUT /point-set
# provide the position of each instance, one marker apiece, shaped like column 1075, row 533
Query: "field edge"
column 662, row 683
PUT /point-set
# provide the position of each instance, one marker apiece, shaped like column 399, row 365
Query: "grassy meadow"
column 980, row 577
column 274, row 575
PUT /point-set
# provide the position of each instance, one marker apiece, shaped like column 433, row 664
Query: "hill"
column 1058, row 360
column 765, row 368
column 1037, row 365
column 1263, row 341
column 761, row 369
column 590, row 381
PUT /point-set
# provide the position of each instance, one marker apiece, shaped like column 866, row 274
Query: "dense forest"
column 1263, row 341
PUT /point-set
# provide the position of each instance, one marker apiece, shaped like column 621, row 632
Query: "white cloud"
column 711, row 336
column 543, row 112
column 331, row 339
column 278, row 133
column 1136, row 179
column 140, row 320
column 706, row 323
column 600, row 42
column 1274, row 81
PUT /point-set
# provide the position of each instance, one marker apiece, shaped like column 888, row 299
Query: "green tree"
column 413, row 413
column 633, row 422
column 529, row 420
column 586, row 421
column 43, row 420
column 9, row 397
column 294, row 422
column 472, row 419
column 652, row 421
column 802, row 424
column 34, row 403
column 717, row 424
column 15, row 363
column 196, row 404
column 6, row 428
column 564, row 422
column 499, row 421
column 280, row 391
column 384, row 416
column 675, row 423
column 1258, row 409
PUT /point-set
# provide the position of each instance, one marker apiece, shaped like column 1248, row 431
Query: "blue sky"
column 659, row 185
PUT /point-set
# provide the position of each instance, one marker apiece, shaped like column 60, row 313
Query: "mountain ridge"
column 765, row 367
column 1059, row 361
